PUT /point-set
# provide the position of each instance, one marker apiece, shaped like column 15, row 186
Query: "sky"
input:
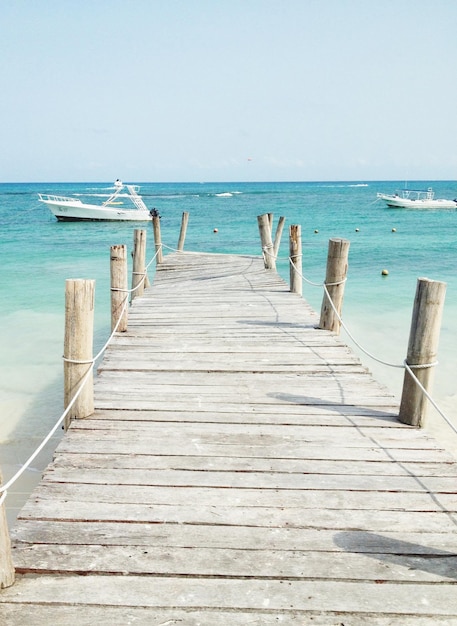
column 228, row 90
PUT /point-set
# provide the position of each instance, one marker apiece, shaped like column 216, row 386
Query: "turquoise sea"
column 38, row 254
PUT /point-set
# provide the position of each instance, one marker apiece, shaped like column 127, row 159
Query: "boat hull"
column 396, row 202
column 77, row 211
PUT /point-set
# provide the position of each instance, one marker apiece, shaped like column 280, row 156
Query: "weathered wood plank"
column 240, row 537
column 362, row 417
column 295, row 438
column 113, row 444
column 107, row 616
column 435, row 566
column 207, row 477
column 311, row 414
column 88, row 615
column 271, row 595
column 74, row 494
column 387, row 467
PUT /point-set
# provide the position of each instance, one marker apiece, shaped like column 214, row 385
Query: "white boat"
column 124, row 204
column 412, row 199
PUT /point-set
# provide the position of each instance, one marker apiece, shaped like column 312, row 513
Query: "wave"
column 172, row 196
column 340, row 185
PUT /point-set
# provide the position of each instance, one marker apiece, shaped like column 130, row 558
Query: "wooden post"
column 422, row 349
column 139, row 263
column 278, row 234
column 267, row 244
column 119, row 287
column 337, row 266
column 157, row 239
column 295, row 255
column 6, row 562
column 182, row 234
column 79, row 331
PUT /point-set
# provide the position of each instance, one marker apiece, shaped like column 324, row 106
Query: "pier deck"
column 242, row 467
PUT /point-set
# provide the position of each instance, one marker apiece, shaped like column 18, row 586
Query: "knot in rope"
column 423, row 366
column 340, row 282
column 77, row 362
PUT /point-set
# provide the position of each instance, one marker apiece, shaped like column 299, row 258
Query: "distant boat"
column 412, row 199
column 71, row 209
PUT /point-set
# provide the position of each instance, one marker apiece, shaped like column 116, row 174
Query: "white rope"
column 4, row 488
column 351, row 336
column 64, row 358
column 266, row 253
column 324, row 286
column 404, row 365
column 170, row 248
column 427, row 395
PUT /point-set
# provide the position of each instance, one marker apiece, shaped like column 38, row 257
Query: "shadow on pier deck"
column 241, row 467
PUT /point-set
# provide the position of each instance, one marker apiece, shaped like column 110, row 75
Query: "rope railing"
column 266, row 252
column 6, row 486
column 404, row 365
column 170, row 248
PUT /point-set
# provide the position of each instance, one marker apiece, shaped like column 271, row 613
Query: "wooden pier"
column 241, row 468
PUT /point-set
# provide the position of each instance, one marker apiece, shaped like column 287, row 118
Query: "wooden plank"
column 209, row 593
column 387, row 467
column 74, row 494
column 310, row 415
column 87, row 615
column 206, row 477
column 295, row 438
column 277, row 432
column 240, row 537
column 436, row 566
column 131, row 445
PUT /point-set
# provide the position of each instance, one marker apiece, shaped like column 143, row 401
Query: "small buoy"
column 394, row 230
column 385, row 272
column 215, row 230
column 316, row 231
column 357, row 230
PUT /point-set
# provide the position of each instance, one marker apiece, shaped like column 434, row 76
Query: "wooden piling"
column 139, row 262
column 277, row 241
column 119, row 287
column 182, row 234
column 157, row 239
column 79, row 330
column 266, row 242
column 337, row 266
column 422, row 349
column 296, row 258
column 6, row 562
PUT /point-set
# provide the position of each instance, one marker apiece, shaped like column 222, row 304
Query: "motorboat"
column 124, row 204
column 412, row 199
